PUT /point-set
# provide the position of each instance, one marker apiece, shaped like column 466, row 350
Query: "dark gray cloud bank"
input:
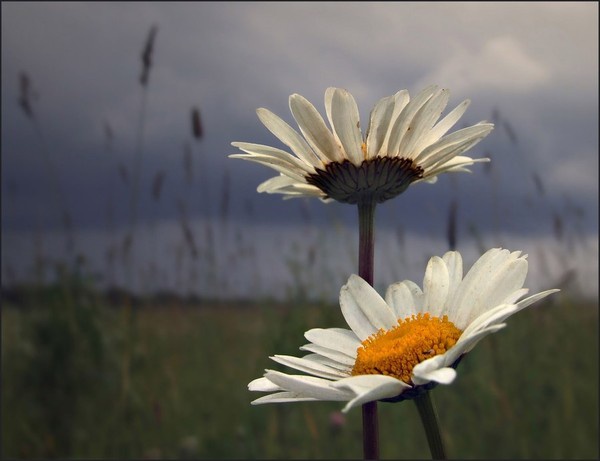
column 532, row 68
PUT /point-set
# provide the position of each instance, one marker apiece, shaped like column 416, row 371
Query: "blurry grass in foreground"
column 529, row 391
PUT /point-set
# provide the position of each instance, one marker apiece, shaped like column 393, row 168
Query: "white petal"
column 269, row 151
column 307, row 366
column 472, row 341
column 467, row 343
column 513, row 297
column 342, row 112
column 435, row 286
column 283, row 397
column 360, row 383
column 441, row 375
column 447, row 122
column 422, row 123
column 338, row 339
column 379, row 122
column 405, row 119
column 276, row 183
column 307, row 386
column 469, row 288
column 405, row 298
column 327, row 361
column 418, row 295
column 294, row 191
column 492, row 316
column 313, row 128
column 456, row 164
column 364, row 310
column 453, row 261
column 457, row 141
column 492, row 283
column 276, row 163
column 433, row 369
column 285, row 185
column 290, row 137
column 294, row 188
column 263, row 385
column 534, row 298
column 429, row 178
column 446, row 160
column 369, row 388
column 401, row 100
column 505, row 282
column 337, row 356
column 503, row 311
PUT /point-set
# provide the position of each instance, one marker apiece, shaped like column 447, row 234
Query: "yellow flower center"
column 395, row 352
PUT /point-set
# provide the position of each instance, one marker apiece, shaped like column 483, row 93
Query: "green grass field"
column 82, row 380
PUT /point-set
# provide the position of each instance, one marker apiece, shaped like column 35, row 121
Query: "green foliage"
column 529, row 391
column 55, row 359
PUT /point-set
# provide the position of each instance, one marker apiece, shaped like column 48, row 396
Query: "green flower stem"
column 366, row 247
column 429, row 420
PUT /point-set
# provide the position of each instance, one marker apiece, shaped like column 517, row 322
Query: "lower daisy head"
column 408, row 341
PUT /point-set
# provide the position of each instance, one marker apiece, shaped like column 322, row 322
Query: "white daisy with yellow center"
column 408, row 342
column 403, row 145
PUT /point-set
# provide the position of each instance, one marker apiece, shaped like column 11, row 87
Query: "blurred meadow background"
column 145, row 282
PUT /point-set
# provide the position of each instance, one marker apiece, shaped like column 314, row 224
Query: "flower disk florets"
column 395, row 352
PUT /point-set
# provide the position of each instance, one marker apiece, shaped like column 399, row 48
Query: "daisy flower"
column 403, row 345
column 403, row 145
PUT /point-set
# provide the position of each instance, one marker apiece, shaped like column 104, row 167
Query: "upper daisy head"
column 404, row 143
column 408, row 341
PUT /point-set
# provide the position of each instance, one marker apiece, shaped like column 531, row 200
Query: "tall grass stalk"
column 128, row 247
column 147, row 55
column 206, row 252
column 189, row 240
column 186, row 224
column 27, row 95
column 156, row 192
column 112, row 246
column 224, row 217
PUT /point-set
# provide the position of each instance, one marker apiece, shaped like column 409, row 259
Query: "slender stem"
column 134, row 199
column 370, row 431
column 432, row 430
column 366, row 239
column 366, row 245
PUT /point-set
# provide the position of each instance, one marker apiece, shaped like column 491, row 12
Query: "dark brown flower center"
column 379, row 179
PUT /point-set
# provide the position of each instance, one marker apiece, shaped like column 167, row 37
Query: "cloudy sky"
column 531, row 68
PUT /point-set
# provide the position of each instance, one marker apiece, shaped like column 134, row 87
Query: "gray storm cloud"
column 532, row 68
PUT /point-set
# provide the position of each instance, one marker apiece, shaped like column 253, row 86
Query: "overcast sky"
column 532, row 68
